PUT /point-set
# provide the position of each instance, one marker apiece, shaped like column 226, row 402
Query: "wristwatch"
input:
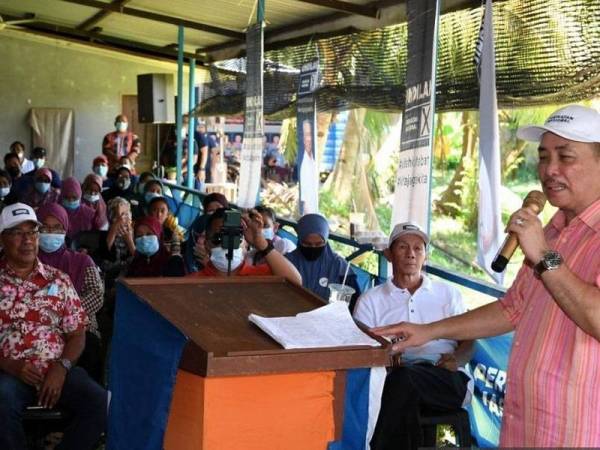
column 550, row 261
column 67, row 364
column 267, row 250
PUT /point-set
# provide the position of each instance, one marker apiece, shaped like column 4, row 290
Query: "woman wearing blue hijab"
column 318, row 264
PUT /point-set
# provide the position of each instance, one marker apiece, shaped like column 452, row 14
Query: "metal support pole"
column 260, row 11
column 191, row 126
column 179, row 106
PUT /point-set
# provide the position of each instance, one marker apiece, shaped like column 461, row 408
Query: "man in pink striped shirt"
column 553, row 306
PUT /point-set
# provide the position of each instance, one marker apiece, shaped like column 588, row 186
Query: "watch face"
column 552, row 260
column 66, row 364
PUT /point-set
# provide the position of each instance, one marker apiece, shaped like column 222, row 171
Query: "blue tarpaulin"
column 488, row 368
column 144, row 358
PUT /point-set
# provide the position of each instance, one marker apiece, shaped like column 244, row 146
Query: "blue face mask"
column 268, row 233
column 147, row 245
column 148, row 196
column 50, row 242
column 101, row 170
column 4, row 192
column 71, row 204
column 39, row 162
column 42, row 187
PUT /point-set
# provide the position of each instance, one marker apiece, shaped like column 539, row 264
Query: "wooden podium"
column 237, row 388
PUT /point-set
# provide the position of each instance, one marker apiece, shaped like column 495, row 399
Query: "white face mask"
column 4, row 191
column 218, row 256
column 121, row 126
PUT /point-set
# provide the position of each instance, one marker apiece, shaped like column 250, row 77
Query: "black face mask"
column 311, row 253
column 13, row 171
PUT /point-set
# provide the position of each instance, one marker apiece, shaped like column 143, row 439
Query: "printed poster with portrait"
column 307, row 162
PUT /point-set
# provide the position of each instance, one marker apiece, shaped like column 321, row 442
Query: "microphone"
column 534, row 201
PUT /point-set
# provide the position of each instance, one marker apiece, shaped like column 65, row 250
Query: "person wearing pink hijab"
column 92, row 188
column 83, row 272
column 40, row 192
column 81, row 216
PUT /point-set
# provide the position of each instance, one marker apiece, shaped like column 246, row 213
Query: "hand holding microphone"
column 534, row 202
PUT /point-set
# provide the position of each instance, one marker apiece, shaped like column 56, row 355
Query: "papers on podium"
column 328, row 326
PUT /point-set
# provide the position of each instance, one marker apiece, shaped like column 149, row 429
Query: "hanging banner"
column 490, row 230
column 413, row 179
column 252, row 146
column 306, row 120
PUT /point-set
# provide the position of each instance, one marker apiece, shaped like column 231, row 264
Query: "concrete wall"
column 42, row 72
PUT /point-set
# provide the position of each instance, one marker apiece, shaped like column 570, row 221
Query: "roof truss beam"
column 350, row 8
column 100, row 15
column 98, row 40
column 114, row 7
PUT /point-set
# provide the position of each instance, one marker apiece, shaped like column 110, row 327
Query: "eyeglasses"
column 20, row 234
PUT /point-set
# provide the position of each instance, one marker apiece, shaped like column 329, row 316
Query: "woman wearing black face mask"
column 12, row 165
column 123, row 186
column 318, row 264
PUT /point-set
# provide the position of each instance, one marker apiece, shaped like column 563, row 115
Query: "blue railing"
column 186, row 203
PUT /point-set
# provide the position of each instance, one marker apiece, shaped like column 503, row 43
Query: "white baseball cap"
column 16, row 214
column 573, row 122
column 405, row 228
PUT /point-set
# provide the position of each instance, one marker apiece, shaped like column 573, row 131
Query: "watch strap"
column 268, row 249
column 66, row 363
column 550, row 261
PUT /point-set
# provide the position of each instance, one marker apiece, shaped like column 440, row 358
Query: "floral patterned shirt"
column 36, row 313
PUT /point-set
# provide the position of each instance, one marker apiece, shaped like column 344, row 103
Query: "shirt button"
column 412, row 310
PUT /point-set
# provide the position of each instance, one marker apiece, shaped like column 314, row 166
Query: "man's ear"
column 388, row 254
column 275, row 227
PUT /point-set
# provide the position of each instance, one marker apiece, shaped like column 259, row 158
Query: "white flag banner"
column 490, row 234
column 413, row 178
column 251, row 155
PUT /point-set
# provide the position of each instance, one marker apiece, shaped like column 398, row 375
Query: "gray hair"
column 113, row 204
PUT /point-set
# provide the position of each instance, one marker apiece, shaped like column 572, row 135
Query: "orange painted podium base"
column 296, row 411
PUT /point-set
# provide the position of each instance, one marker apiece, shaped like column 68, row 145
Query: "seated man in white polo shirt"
column 426, row 376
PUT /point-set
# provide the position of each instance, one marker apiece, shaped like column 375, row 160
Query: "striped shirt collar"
column 590, row 217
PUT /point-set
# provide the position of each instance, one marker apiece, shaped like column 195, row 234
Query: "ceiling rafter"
column 99, row 40
column 100, row 15
column 351, row 8
column 159, row 18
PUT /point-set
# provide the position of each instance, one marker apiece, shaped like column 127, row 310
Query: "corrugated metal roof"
column 214, row 29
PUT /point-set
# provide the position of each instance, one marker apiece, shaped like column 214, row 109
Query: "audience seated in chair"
column 151, row 258
column 210, row 204
column 270, row 227
column 92, row 197
column 152, row 189
column 100, row 168
column 5, row 185
column 318, row 264
column 84, row 275
column 42, row 334
column 123, row 186
column 428, row 376
column 38, row 156
column 40, row 191
column 217, row 263
column 81, row 217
